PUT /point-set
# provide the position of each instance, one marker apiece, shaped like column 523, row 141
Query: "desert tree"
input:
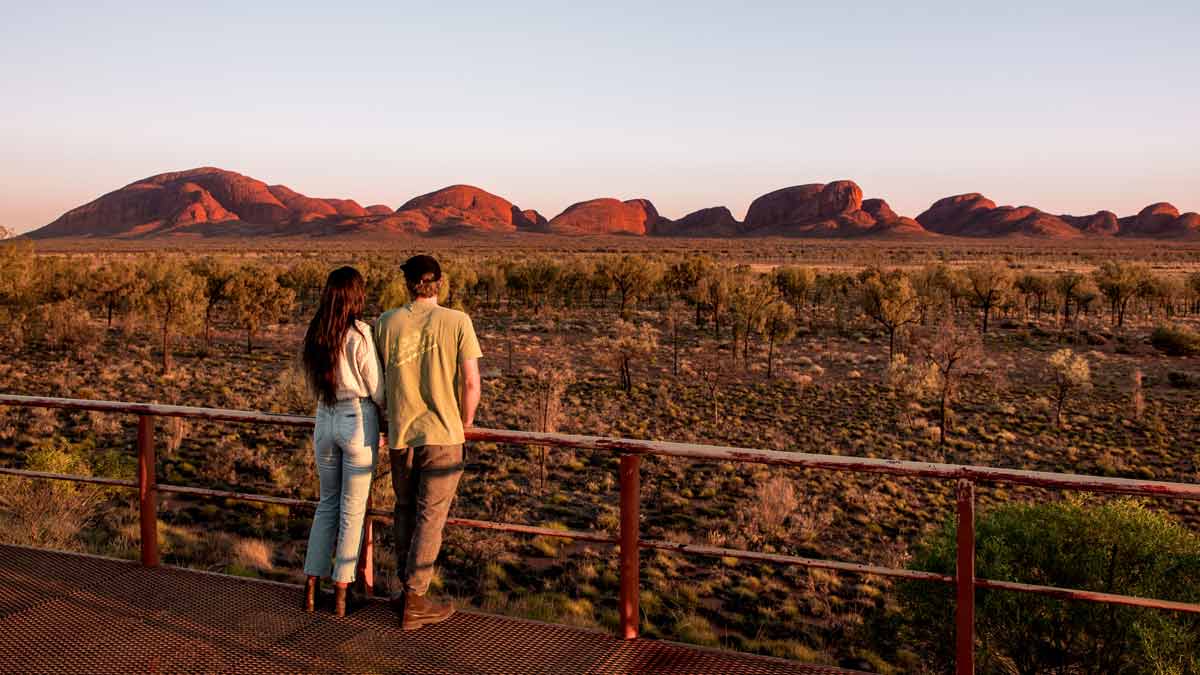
column 491, row 281
column 747, row 304
column 709, row 368
column 216, row 273
column 713, row 292
column 257, row 299
column 1178, row 292
column 951, row 353
column 532, row 280
column 1193, row 288
column 517, row 283
column 1119, row 283
column 1161, row 293
column 1067, row 286
column 889, row 299
column 458, row 278
column 549, row 382
column 1086, row 295
column 1069, row 374
column 630, row 344
column 1035, row 287
column 779, row 325
column 795, row 284
column 305, row 278
column 173, row 297
column 675, row 315
column 836, row 289
column 394, row 293
column 683, row 276
column 600, row 286
column 934, row 286
column 633, row 278
column 987, row 286
column 115, row 285
column 58, row 278
column 574, row 283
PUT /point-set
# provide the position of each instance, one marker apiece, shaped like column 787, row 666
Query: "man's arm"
column 470, row 391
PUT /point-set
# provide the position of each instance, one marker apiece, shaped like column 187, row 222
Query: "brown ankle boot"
column 421, row 611
column 312, row 586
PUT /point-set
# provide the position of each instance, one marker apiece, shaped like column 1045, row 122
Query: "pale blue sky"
column 1073, row 108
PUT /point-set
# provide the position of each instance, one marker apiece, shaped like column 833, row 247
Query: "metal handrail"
column 628, row 539
column 711, row 453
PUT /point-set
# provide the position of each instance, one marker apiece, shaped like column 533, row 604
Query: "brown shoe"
column 312, row 586
column 421, row 611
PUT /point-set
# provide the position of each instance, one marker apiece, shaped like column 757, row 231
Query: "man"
column 430, row 357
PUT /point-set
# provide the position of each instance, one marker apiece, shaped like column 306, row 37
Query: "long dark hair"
column 342, row 303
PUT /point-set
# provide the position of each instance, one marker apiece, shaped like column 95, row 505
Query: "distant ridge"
column 212, row 202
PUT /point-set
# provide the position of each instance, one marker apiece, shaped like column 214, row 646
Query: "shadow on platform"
column 65, row 613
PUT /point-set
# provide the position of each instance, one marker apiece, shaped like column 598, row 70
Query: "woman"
column 343, row 369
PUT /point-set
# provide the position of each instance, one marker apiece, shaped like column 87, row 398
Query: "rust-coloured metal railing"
column 629, row 541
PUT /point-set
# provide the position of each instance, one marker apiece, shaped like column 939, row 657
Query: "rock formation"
column 817, row 210
column 1101, row 223
column 715, row 221
column 1156, row 220
column 214, row 202
column 462, row 207
column 951, row 215
column 606, row 216
column 888, row 223
column 532, row 221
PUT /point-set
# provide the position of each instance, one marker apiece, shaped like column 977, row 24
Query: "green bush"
column 1176, row 340
column 1116, row 547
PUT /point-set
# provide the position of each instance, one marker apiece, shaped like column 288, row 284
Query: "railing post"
column 630, row 481
column 147, row 491
column 366, row 556
column 964, row 659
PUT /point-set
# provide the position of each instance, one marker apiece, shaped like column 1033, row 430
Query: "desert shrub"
column 1070, row 373
column 292, row 392
column 1182, row 380
column 1115, row 547
column 632, row 343
column 51, row 514
column 65, row 325
column 1176, row 340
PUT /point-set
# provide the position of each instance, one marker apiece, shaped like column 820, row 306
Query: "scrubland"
column 1089, row 363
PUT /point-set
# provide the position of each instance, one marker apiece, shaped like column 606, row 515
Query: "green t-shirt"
column 422, row 348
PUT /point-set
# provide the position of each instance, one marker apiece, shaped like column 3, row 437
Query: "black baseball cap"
column 417, row 267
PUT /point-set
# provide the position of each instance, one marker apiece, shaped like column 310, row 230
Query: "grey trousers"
column 425, row 479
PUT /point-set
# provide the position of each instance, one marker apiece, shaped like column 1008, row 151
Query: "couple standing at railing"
column 420, row 365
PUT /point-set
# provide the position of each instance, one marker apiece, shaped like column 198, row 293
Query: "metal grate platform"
column 64, row 613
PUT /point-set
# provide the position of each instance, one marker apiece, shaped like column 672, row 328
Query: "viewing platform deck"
column 66, row 613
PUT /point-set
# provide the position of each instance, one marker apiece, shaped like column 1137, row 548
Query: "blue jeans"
column 346, row 444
